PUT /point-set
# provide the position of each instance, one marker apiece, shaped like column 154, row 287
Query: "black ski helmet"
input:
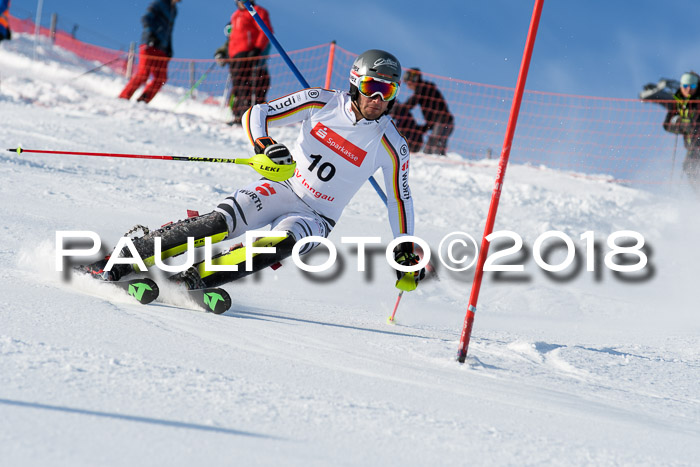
column 377, row 64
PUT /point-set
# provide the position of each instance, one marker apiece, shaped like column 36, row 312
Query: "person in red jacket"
column 246, row 44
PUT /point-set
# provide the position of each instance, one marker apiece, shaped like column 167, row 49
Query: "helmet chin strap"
column 357, row 107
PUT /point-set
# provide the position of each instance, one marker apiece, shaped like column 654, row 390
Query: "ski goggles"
column 689, row 85
column 369, row 87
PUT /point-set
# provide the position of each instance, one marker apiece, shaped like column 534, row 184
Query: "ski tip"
column 215, row 300
column 143, row 290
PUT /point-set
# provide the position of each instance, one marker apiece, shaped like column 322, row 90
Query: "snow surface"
column 583, row 368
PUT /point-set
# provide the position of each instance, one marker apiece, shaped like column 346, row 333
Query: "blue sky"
column 605, row 48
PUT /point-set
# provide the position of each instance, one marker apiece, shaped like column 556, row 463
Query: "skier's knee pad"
column 237, row 257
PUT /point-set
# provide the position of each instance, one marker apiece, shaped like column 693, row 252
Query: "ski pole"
column 390, row 319
column 301, row 79
column 276, row 43
column 120, row 57
column 195, row 86
column 259, row 162
column 673, row 160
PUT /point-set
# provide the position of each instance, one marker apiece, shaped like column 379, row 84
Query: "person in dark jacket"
column 245, row 52
column 5, row 33
column 155, row 50
column 683, row 118
column 438, row 119
column 407, row 125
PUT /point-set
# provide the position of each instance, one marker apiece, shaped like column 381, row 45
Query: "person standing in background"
column 438, row 119
column 247, row 44
column 155, row 50
column 683, row 118
column 259, row 76
column 5, row 33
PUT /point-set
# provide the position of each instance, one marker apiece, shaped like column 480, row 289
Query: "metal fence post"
column 130, row 60
column 54, row 22
column 192, row 80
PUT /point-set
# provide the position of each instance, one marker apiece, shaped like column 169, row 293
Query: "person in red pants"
column 155, row 50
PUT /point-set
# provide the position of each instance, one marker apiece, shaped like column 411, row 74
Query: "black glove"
column 220, row 56
column 278, row 153
column 404, row 255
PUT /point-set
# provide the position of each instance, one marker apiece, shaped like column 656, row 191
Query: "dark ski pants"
column 691, row 168
column 439, row 134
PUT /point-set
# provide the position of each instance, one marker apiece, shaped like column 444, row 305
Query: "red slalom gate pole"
column 498, row 186
column 329, row 67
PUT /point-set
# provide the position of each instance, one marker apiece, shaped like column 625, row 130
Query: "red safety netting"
column 115, row 59
column 270, row 76
column 622, row 139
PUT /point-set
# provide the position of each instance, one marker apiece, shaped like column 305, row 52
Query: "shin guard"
column 198, row 277
column 174, row 237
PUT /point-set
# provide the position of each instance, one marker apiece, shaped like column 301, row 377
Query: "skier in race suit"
column 344, row 138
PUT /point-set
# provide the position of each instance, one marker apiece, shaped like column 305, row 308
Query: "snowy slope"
column 582, row 368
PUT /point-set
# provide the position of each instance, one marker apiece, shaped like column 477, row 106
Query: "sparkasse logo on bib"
column 338, row 144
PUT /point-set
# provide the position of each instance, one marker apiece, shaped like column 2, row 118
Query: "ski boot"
column 190, row 278
column 97, row 271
